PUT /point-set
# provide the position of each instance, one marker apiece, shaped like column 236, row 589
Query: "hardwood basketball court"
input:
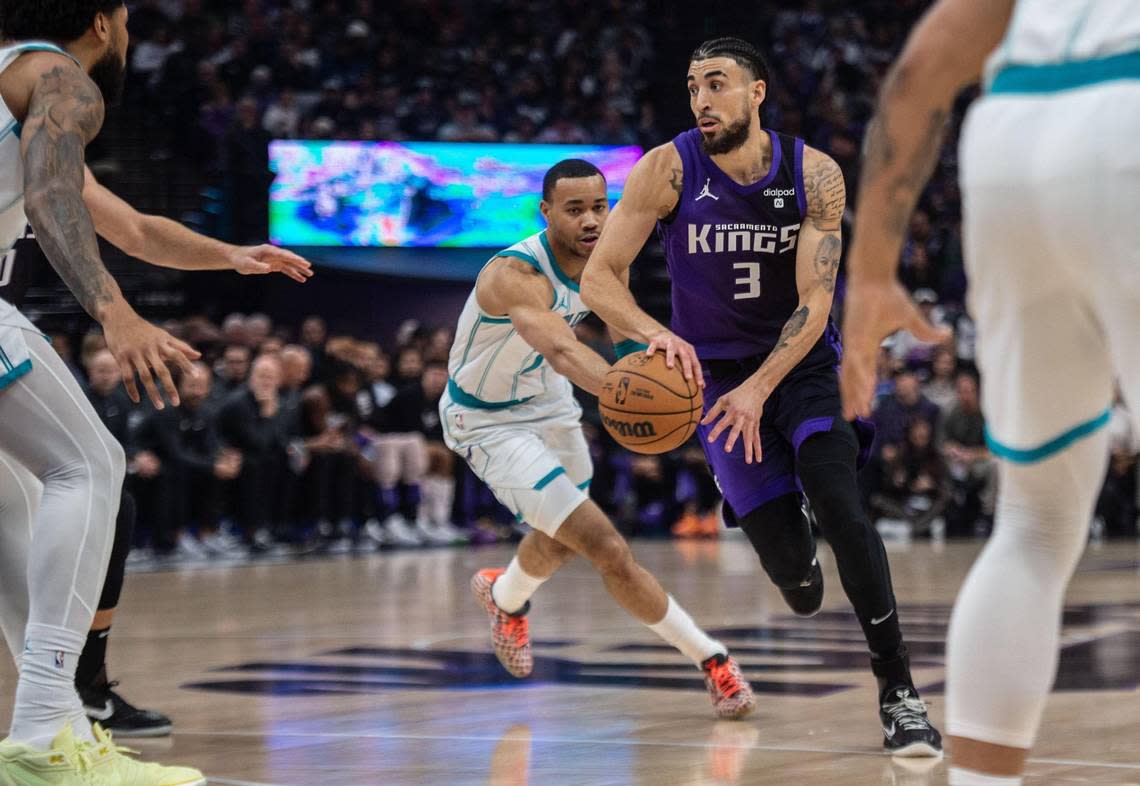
column 378, row 670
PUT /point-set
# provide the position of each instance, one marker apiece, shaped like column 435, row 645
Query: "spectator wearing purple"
column 899, row 410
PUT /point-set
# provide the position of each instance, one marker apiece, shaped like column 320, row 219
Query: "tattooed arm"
column 651, row 193
column 64, row 113
column 944, row 53
column 817, row 262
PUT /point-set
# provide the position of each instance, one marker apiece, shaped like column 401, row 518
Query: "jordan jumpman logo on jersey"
column 706, row 193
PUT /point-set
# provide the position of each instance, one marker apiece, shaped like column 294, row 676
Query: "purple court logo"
column 819, row 657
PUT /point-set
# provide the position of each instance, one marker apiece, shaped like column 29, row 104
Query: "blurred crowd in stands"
column 294, row 442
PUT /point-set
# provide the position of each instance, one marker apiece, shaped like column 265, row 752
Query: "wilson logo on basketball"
column 626, row 429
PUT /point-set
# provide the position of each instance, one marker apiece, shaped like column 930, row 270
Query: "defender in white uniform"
column 498, row 381
column 64, row 59
column 1050, row 172
column 509, row 410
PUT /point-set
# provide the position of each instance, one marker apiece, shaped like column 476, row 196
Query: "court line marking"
column 612, row 741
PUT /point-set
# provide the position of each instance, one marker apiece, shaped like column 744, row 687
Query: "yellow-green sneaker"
column 112, row 762
column 66, row 763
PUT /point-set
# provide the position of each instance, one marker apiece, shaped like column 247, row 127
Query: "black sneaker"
column 806, row 598
column 120, row 717
column 907, row 731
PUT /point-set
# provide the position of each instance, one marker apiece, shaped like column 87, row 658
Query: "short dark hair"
column 61, row 21
column 569, row 168
column 737, row 49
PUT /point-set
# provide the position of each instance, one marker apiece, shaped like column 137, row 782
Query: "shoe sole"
column 740, row 714
column 916, row 750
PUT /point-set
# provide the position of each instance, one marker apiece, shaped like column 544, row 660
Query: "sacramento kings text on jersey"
column 731, row 252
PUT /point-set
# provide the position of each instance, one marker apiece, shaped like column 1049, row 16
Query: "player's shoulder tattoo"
column 825, row 190
column 677, row 180
column 65, row 99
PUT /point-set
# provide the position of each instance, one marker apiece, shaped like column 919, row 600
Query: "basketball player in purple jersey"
column 750, row 221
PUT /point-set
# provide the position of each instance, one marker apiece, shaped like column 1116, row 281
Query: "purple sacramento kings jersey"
column 731, row 253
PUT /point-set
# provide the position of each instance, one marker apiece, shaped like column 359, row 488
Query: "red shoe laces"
column 516, row 630
column 724, row 679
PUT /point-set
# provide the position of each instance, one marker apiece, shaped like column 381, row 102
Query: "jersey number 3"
column 749, row 282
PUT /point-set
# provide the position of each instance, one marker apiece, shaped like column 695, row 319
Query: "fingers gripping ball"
column 647, row 406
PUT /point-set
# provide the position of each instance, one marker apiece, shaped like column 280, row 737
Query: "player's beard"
column 109, row 74
column 731, row 137
column 727, row 140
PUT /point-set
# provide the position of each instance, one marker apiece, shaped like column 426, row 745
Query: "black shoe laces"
column 909, row 712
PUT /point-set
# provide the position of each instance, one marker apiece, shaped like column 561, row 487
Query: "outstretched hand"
column 874, row 311
column 145, row 350
column 259, row 260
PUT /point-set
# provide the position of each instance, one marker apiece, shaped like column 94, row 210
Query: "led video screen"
column 419, row 194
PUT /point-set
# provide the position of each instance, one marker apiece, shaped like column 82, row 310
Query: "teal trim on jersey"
column 465, row 399
column 537, row 362
column 534, row 262
column 495, row 320
column 585, row 485
column 37, row 47
column 521, row 255
column 15, row 374
column 548, row 477
column 525, row 370
column 4, row 360
column 558, row 271
column 1050, row 448
column 18, row 130
column 8, row 129
column 1056, row 77
column 628, row 347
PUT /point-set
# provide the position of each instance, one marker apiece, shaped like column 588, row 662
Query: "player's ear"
column 544, row 208
column 759, row 91
column 102, row 26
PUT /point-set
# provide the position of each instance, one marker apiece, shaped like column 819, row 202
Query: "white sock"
column 46, row 699
column 444, row 499
column 678, row 628
column 513, row 589
column 428, row 493
column 961, row 777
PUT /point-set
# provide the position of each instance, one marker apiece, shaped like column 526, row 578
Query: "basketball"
column 647, row 406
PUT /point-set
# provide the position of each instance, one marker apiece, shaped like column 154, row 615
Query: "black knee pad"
column 781, row 536
column 117, row 567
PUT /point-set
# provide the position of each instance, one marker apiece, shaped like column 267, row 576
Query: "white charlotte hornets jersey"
column 491, row 366
column 12, row 219
column 1059, row 31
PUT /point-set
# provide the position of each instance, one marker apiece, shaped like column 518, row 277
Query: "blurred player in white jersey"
column 1050, row 171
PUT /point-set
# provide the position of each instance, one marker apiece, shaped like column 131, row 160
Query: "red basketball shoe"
column 510, row 633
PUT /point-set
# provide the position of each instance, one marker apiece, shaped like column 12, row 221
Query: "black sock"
column 893, row 672
column 92, row 668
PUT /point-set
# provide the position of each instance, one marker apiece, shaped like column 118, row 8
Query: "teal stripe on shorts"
column 1050, row 448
